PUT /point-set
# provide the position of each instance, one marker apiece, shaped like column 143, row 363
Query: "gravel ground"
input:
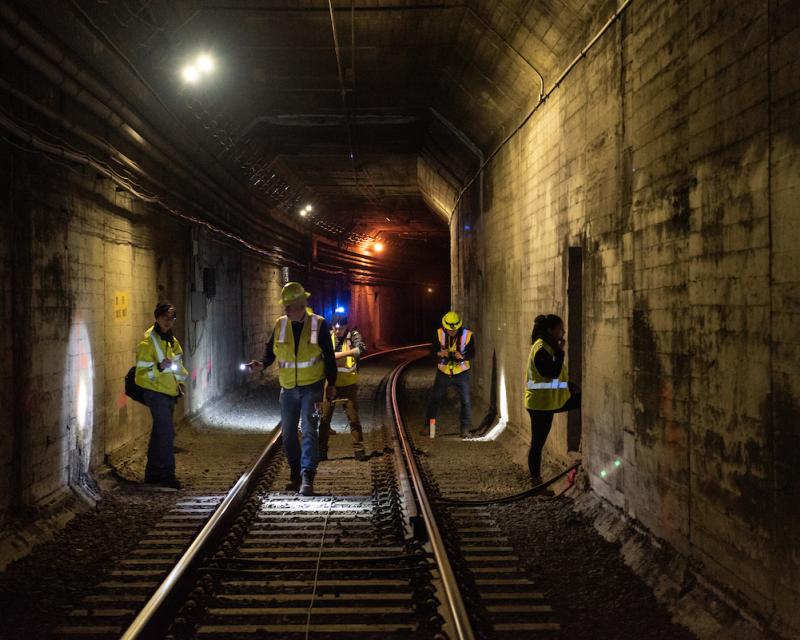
column 37, row 591
column 595, row 595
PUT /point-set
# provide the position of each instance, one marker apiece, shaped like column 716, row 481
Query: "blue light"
column 339, row 310
column 467, row 227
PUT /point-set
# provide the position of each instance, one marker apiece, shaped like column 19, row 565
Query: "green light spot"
column 617, row 462
column 603, row 473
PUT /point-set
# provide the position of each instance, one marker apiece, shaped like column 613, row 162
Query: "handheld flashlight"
column 242, row 367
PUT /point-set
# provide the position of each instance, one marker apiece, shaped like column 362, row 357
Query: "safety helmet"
column 293, row 292
column 340, row 319
column 451, row 320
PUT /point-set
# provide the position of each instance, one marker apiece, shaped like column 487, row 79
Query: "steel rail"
column 155, row 616
column 157, row 613
column 455, row 603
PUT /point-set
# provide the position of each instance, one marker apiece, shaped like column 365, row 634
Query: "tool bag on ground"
column 133, row 390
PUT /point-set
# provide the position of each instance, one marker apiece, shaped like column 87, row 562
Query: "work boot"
column 294, row 480
column 361, row 455
column 307, row 484
column 323, row 455
column 356, row 432
column 545, row 493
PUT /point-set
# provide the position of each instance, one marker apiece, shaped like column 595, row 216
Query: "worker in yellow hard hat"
column 301, row 344
column 349, row 347
column 454, row 347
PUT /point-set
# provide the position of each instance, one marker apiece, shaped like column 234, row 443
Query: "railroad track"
column 371, row 555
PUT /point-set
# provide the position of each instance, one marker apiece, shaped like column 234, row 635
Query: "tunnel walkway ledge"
column 22, row 534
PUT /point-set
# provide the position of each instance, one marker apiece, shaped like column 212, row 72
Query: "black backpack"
column 133, row 390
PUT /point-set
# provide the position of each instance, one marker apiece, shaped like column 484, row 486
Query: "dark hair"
column 162, row 308
column 341, row 319
column 542, row 326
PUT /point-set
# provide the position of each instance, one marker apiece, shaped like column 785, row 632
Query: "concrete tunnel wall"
column 82, row 270
column 670, row 158
column 82, row 265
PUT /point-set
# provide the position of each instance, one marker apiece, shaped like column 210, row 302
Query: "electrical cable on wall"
column 60, row 151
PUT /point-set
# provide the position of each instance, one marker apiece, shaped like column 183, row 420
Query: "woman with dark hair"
column 548, row 390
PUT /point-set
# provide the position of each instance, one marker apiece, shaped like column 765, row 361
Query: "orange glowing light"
column 378, row 246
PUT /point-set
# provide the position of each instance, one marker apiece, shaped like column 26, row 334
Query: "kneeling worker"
column 349, row 347
column 305, row 360
column 454, row 347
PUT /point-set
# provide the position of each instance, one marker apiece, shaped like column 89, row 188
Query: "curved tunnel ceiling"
column 430, row 88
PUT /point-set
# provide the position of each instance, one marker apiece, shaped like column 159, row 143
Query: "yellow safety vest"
column 306, row 366
column 347, row 371
column 451, row 366
column 151, row 351
column 545, row 394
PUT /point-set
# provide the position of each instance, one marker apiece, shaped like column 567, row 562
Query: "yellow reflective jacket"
column 346, row 368
column 307, row 365
column 150, row 352
column 541, row 393
column 450, row 365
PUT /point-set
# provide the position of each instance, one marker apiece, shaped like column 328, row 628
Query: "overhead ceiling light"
column 202, row 65
column 378, row 246
column 190, row 74
column 309, row 208
column 205, row 63
column 303, row 212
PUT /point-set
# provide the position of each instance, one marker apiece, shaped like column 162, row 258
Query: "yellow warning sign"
column 120, row 306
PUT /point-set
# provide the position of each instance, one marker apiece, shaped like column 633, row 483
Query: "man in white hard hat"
column 301, row 344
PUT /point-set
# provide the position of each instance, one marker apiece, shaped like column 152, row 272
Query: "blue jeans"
column 160, row 452
column 297, row 405
column 440, row 386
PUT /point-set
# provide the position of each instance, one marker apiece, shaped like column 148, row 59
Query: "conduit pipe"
column 104, row 146
column 544, row 97
column 106, row 105
column 343, row 91
column 84, row 160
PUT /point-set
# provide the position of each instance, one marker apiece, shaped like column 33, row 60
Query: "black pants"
column 160, row 453
column 541, row 421
column 440, row 385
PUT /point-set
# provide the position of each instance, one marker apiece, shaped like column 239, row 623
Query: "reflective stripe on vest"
column 159, row 352
column 290, row 364
column 553, row 384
